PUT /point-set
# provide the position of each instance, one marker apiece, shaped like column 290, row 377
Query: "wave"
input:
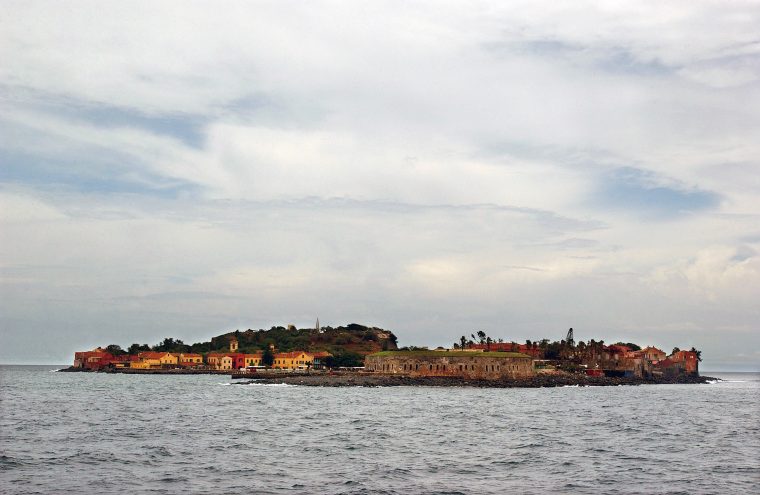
column 271, row 384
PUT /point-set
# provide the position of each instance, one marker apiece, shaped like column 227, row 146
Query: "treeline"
column 555, row 350
column 347, row 344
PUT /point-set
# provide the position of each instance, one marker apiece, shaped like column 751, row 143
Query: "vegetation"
column 116, row 350
column 138, row 348
column 347, row 344
column 629, row 345
column 267, row 357
column 429, row 353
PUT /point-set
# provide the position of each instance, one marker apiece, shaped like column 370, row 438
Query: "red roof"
column 290, row 355
column 152, row 355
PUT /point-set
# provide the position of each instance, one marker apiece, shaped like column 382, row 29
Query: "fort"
column 462, row 364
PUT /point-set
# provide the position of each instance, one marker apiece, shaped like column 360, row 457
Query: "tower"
column 233, row 344
column 318, row 329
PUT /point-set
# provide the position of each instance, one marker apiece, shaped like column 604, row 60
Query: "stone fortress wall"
column 474, row 365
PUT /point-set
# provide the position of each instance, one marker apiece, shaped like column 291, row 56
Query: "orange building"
column 92, row 360
column 689, row 360
column 653, row 354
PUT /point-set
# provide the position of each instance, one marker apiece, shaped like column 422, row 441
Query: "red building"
column 689, row 360
column 92, row 360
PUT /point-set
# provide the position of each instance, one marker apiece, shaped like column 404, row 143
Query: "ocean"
column 106, row 433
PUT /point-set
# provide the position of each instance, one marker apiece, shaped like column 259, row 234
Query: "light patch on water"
column 271, row 384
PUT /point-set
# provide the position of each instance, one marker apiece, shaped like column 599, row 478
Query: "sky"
column 190, row 168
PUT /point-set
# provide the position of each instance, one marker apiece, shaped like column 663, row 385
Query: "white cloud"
column 434, row 166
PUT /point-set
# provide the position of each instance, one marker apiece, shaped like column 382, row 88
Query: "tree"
column 698, row 353
column 629, row 345
column 138, row 348
column 115, row 350
column 462, row 341
column 488, row 343
column 675, row 349
column 267, row 358
column 481, row 337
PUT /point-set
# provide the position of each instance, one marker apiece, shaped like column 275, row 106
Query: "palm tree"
column 698, row 353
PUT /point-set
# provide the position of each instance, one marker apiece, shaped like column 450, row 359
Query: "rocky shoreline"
column 538, row 381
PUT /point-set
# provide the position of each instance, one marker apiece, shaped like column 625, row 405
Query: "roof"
column 152, row 355
column 290, row 355
column 651, row 348
column 189, row 354
column 320, row 354
column 450, row 354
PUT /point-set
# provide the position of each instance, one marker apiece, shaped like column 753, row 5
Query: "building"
column 473, row 365
column 253, row 359
column 92, row 360
column 653, row 354
column 688, row 359
column 319, row 359
column 531, row 350
column 293, row 360
column 151, row 359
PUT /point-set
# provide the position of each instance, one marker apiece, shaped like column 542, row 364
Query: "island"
column 358, row 355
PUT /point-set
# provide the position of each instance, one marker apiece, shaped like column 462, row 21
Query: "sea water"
column 109, row 433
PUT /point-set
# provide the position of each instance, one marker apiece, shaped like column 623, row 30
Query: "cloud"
column 179, row 169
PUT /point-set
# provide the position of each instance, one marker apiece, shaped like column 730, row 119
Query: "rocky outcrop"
column 538, row 381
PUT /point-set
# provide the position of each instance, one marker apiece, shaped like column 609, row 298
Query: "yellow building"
column 253, row 359
column 293, row 360
column 157, row 359
column 190, row 358
column 225, row 363
column 219, row 361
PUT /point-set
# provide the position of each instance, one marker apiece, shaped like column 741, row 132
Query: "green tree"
column 462, row 341
column 698, row 353
column 267, row 358
column 675, row 349
column 115, row 350
column 137, row 348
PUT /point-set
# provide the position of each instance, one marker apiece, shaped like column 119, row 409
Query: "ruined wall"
column 469, row 365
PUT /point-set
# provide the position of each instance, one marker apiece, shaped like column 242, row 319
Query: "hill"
column 348, row 344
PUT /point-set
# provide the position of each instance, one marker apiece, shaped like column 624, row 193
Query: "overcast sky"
column 189, row 168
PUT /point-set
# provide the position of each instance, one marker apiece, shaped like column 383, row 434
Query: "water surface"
column 74, row 432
